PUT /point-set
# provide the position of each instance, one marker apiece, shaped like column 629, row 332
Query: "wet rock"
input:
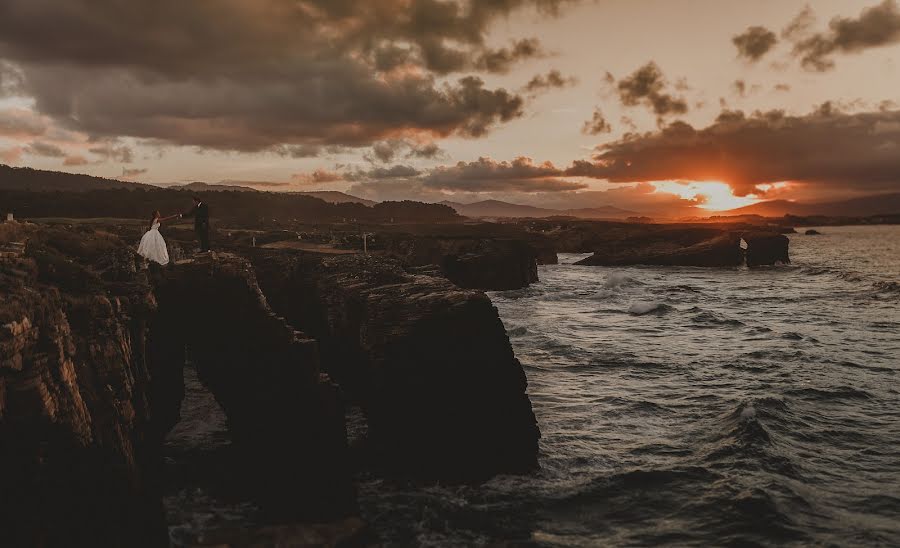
column 766, row 248
column 812, row 232
column 708, row 247
column 430, row 363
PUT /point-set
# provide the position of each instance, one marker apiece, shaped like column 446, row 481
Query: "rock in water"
column 667, row 247
column 766, row 248
column 812, row 232
column 429, row 362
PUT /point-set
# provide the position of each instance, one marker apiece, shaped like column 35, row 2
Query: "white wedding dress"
column 153, row 246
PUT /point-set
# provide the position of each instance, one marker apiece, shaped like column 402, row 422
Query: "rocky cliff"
column 77, row 451
column 429, row 362
column 473, row 263
column 91, row 353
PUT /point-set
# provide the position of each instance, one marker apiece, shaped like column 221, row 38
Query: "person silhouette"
column 200, row 213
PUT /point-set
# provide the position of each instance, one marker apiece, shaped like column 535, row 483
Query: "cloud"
column 40, row 148
column 501, row 60
column 551, row 80
column 398, row 171
column 239, row 75
column 647, row 86
column 112, row 152
column 11, row 155
column 487, row 175
column 876, row 26
column 75, row 160
column 597, row 124
column 782, row 87
column 754, row 43
column 386, row 151
column 18, row 123
column 826, row 147
column 316, row 178
column 799, row 27
column 132, row 173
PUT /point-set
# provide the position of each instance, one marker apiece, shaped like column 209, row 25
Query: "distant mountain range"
column 330, row 196
column 497, row 208
column 855, row 207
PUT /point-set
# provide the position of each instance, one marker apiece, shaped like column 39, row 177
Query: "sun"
column 709, row 195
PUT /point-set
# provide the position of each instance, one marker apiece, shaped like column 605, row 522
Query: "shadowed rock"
column 709, row 247
column 766, row 248
column 489, row 263
column 429, row 362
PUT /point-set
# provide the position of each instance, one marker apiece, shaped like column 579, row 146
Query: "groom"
column 200, row 213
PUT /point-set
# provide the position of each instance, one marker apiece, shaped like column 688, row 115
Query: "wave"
column 645, row 307
column 839, row 393
column 712, row 319
column 619, row 279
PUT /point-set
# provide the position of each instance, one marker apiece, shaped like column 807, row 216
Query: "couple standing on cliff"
column 153, row 246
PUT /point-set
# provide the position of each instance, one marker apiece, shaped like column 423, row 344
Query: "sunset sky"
column 656, row 106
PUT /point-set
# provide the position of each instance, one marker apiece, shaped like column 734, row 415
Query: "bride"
column 153, row 246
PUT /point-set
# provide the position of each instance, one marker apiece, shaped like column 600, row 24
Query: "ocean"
column 678, row 406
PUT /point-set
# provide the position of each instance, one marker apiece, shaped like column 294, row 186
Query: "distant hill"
column 211, row 187
column 37, row 180
column 497, row 208
column 855, row 207
column 336, row 197
column 330, row 196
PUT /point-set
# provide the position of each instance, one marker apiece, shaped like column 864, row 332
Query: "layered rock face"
column 766, row 248
column 77, row 450
column 669, row 247
column 473, row 263
column 430, row 363
column 91, row 356
column 285, row 417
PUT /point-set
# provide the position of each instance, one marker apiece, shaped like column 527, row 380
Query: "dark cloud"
column 132, row 173
column 647, row 86
column 425, row 150
column 487, row 175
column 551, row 80
column 597, row 124
column 501, row 60
column 386, row 151
column 49, row 150
column 393, row 172
column 754, row 42
column 876, row 26
column 258, row 75
column 742, row 89
column 799, row 27
column 12, row 81
column 782, row 87
column 112, row 152
column 826, row 147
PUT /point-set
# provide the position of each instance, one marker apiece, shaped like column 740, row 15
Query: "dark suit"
column 200, row 213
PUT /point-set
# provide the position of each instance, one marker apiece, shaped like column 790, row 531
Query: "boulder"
column 766, row 248
column 430, row 363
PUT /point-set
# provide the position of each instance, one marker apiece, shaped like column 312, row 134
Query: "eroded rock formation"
column 77, row 451
column 766, row 248
column 473, row 263
column 668, row 247
column 91, row 353
column 284, row 415
column 429, row 362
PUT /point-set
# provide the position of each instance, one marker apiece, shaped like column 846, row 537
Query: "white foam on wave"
column 748, row 413
column 645, row 307
column 617, row 279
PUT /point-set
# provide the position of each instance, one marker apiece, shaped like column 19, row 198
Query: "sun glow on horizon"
column 709, row 195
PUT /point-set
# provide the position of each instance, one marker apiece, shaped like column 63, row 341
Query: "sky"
column 663, row 107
